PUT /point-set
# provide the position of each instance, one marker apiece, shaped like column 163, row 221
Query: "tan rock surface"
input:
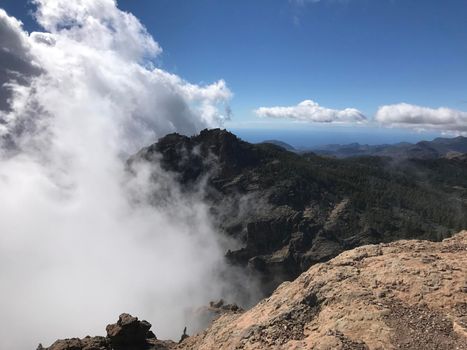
column 407, row 294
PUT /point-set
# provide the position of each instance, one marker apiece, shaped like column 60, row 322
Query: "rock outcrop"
column 402, row 295
column 127, row 334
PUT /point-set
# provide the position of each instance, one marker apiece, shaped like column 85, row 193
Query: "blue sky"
column 340, row 53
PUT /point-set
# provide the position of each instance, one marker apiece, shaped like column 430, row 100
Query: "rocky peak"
column 212, row 150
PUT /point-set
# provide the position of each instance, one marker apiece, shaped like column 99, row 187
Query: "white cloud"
column 310, row 111
column 75, row 249
column 16, row 61
column 404, row 115
column 100, row 24
column 93, row 48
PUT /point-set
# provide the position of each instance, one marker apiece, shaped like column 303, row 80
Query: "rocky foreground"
column 401, row 295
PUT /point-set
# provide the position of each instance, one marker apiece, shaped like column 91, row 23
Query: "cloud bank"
column 404, row 115
column 310, row 111
column 80, row 240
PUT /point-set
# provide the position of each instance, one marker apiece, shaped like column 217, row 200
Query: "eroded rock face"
column 407, row 294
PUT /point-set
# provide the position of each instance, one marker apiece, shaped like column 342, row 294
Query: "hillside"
column 290, row 211
column 282, row 144
column 439, row 147
column 406, row 294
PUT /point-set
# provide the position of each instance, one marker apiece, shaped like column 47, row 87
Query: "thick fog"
column 79, row 242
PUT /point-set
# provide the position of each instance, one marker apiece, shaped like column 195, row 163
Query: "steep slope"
column 290, row 211
column 407, row 294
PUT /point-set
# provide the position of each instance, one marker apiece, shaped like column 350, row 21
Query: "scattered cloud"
column 404, row 115
column 310, row 111
column 305, row 2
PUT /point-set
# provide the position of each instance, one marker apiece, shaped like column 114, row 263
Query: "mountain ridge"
column 437, row 148
column 290, row 211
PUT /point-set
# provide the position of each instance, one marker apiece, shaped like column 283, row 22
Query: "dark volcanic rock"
column 127, row 334
column 128, row 331
column 193, row 157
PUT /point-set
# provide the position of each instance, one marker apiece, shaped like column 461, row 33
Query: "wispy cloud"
column 305, row 2
column 310, row 111
column 298, row 7
column 404, row 115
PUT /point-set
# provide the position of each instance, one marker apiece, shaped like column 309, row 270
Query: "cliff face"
column 407, row 294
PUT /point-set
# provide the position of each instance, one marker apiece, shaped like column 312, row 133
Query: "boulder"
column 129, row 331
